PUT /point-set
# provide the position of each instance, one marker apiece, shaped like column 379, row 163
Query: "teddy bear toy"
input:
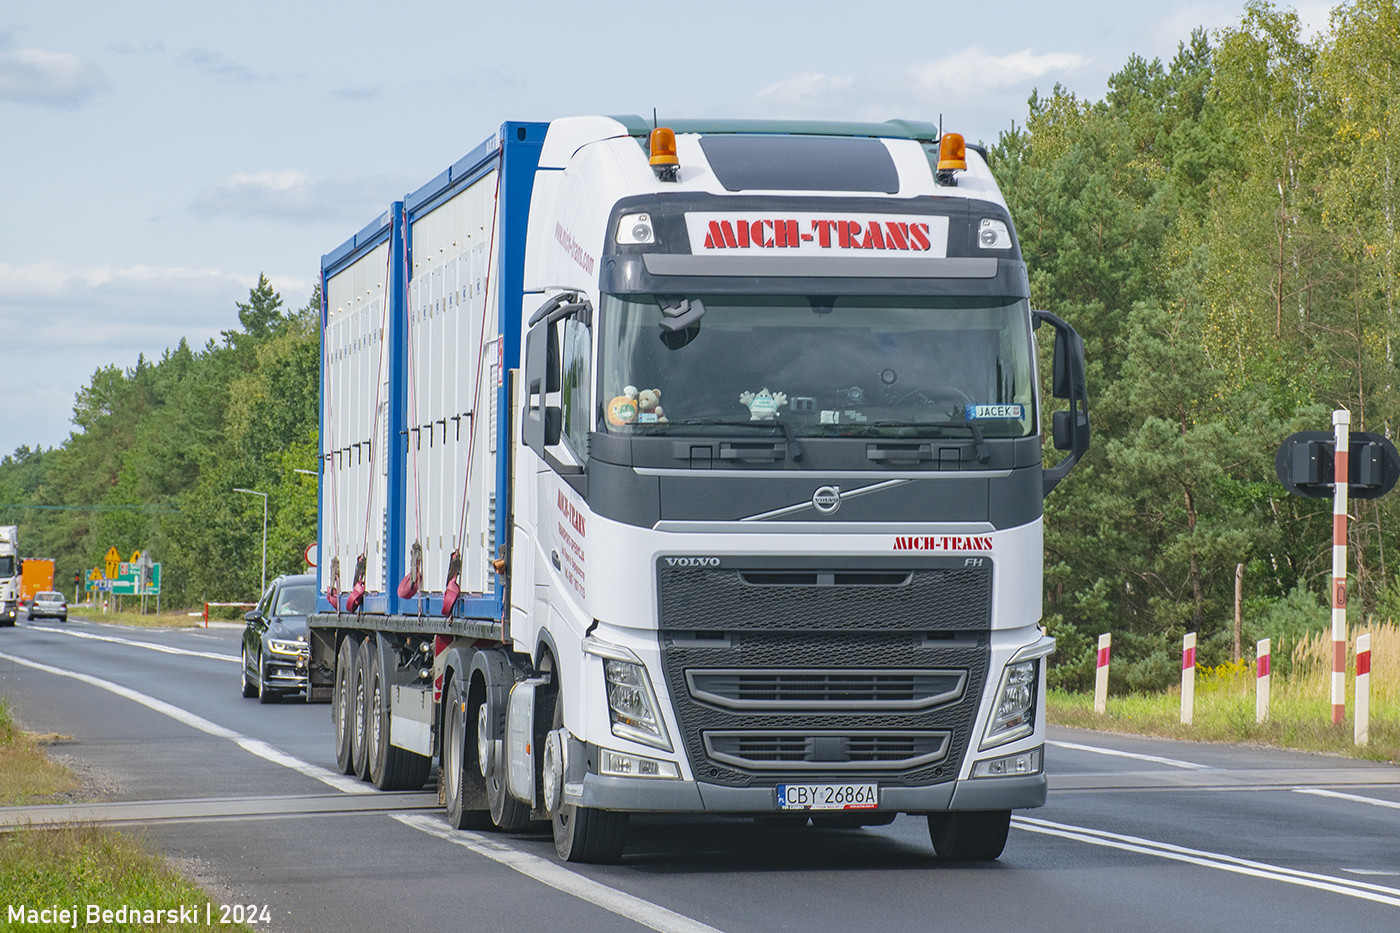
column 764, row 405
column 649, row 409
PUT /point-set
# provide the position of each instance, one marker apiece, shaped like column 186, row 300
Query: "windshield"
column 820, row 366
column 7, row 566
column 297, row 600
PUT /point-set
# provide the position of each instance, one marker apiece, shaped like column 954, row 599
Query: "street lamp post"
column 254, row 492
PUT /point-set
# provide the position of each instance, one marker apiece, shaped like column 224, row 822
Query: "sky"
column 156, row 157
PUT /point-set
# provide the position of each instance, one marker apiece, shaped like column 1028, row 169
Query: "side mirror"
column 251, row 616
column 1069, row 430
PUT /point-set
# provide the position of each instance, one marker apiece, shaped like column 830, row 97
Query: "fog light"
column 1010, row 766
column 617, row 764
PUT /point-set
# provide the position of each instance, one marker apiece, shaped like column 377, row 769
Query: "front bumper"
column 605, row 792
column 288, row 674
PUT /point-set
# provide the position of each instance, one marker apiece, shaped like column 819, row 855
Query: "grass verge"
column 82, row 869
column 1300, row 709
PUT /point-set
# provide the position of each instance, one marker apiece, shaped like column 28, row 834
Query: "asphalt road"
column 1138, row 834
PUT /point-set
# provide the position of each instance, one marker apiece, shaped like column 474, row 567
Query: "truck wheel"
column 390, row 767
column 507, row 814
column 249, row 690
column 464, row 789
column 265, row 695
column 969, row 835
column 342, row 705
column 582, row 834
column 359, row 693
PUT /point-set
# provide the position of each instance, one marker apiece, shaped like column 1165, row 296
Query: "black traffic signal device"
column 1306, row 464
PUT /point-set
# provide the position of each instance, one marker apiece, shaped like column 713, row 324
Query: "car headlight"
column 632, row 704
column 283, row 646
column 1013, row 715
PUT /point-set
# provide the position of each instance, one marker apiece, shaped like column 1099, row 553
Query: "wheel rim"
column 483, row 740
column 374, row 724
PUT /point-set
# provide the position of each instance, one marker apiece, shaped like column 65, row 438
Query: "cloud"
column 973, row 69
column 62, row 323
column 965, row 85
column 220, row 66
column 294, row 195
column 47, row 79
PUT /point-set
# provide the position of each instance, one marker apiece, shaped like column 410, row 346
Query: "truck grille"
column 794, row 750
column 818, row 689
column 779, row 671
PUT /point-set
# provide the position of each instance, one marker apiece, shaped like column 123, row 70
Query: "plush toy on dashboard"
column 649, row 409
column 623, row 408
column 764, row 405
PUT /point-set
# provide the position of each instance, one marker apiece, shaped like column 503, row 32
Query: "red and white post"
column 1261, row 681
column 1101, row 675
column 1188, row 678
column 1341, row 470
column 1363, row 689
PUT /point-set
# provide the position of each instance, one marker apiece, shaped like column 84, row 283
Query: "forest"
column 1221, row 230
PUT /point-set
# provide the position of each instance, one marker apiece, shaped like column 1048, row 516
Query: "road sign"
column 132, row 582
column 113, row 561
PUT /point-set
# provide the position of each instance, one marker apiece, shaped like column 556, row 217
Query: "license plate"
column 828, row 796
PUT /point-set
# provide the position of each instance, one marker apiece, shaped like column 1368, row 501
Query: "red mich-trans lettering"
column 943, row 543
column 822, row 233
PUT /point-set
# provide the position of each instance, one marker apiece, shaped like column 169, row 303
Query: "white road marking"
column 560, row 878
column 1354, row 798
column 193, row 720
column 138, row 644
column 1344, row 886
column 1115, row 753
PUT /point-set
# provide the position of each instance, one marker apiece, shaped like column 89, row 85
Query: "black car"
column 275, row 648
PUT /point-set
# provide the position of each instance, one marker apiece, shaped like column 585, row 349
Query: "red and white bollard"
column 1261, row 681
column 1363, row 689
column 1341, row 424
column 1101, row 675
column 1188, row 678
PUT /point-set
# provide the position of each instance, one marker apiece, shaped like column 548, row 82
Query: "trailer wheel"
column 463, row 787
column 969, row 835
column 359, row 692
column 390, row 767
column 583, row 834
column 249, row 691
column 342, row 704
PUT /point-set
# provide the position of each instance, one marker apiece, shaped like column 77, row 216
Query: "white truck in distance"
column 696, row 469
column 9, row 574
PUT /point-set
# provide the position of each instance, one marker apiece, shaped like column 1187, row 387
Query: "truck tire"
column 249, row 690
column 582, row 834
column 969, row 835
column 342, row 705
column 359, row 721
column 463, row 788
column 390, row 767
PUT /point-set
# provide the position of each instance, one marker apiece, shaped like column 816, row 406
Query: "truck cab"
column 779, row 480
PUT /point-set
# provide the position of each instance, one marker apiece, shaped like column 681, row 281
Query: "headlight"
column 993, row 234
column 282, row 646
column 632, row 704
column 1013, row 716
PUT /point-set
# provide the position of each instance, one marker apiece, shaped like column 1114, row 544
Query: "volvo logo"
column 692, row 561
column 827, row 499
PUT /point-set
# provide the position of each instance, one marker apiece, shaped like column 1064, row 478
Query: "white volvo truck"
column 10, row 575
column 692, row 470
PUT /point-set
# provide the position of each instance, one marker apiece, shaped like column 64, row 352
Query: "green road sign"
column 137, row 579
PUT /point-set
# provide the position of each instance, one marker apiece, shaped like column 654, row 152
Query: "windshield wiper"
column 794, row 449
column 984, row 453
